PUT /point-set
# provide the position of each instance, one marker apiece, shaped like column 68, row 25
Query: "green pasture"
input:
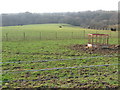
column 33, row 47
column 49, row 32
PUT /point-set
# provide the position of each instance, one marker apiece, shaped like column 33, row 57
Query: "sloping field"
column 31, row 61
column 48, row 32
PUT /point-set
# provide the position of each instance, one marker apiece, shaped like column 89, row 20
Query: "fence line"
column 51, row 35
column 59, row 59
column 46, row 69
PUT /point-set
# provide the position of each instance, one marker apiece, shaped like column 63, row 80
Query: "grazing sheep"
column 113, row 29
column 60, row 26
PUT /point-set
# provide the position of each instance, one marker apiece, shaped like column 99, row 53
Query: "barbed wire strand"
column 46, row 69
column 58, row 59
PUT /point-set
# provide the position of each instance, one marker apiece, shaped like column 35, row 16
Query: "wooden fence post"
column 40, row 36
column 96, row 31
column 24, row 35
column 6, row 36
column 110, row 33
column 56, row 35
column 84, row 34
column 72, row 35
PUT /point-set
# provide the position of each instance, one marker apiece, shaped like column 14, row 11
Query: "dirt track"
column 113, row 49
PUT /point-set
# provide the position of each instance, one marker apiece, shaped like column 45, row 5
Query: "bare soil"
column 113, row 49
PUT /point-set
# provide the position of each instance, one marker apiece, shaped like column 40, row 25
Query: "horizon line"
column 59, row 12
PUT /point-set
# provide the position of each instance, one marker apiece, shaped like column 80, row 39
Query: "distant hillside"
column 93, row 19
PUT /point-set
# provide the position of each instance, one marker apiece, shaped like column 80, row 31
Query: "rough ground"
column 113, row 49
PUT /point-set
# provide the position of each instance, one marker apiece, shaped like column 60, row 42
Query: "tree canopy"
column 96, row 19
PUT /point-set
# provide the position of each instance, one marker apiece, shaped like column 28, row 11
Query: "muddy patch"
column 113, row 49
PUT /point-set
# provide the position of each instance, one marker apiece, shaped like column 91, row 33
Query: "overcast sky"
column 43, row 6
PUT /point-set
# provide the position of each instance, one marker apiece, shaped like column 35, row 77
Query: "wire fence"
column 58, row 59
column 57, row 77
column 20, row 36
column 46, row 69
column 20, row 62
column 54, row 76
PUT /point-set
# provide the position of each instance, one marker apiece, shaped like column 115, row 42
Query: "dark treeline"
column 94, row 19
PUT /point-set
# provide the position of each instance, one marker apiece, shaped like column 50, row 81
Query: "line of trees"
column 95, row 19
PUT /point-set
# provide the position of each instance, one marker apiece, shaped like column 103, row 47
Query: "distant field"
column 49, row 31
column 39, row 56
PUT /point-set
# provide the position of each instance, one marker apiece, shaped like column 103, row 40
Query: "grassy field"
column 26, row 46
column 48, row 32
